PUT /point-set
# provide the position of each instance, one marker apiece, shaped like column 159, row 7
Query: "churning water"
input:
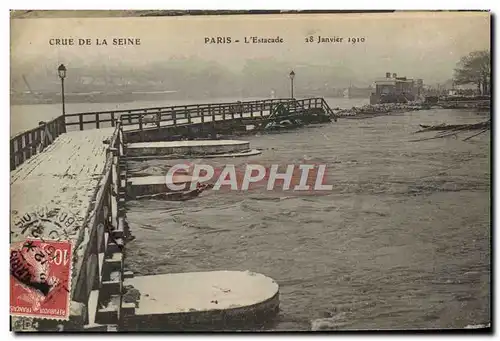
column 402, row 240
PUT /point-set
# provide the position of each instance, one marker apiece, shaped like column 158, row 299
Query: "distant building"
column 394, row 89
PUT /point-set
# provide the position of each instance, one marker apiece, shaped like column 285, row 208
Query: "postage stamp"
column 41, row 257
column 40, row 276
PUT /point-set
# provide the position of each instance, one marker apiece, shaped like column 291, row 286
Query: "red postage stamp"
column 40, row 279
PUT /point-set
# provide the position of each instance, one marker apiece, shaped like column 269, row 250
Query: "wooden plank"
column 65, row 175
column 92, row 306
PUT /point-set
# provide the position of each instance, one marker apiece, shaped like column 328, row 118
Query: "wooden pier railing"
column 101, row 119
column 100, row 267
column 26, row 144
column 185, row 115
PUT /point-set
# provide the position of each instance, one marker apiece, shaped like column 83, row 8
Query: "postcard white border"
column 200, row 4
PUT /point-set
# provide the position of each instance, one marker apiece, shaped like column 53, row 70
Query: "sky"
column 415, row 44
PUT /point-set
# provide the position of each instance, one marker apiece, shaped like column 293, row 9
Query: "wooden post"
column 42, row 137
column 27, row 146
column 140, row 122
column 174, row 118
column 58, row 127
column 12, row 156
column 19, row 141
column 38, row 138
column 50, row 128
column 33, row 142
column 97, row 121
column 112, row 119
column 114, row 183
column 80, row 120
column 63, row 123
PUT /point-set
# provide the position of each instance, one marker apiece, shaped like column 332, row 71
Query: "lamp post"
column 62, row 74
column 292, row 76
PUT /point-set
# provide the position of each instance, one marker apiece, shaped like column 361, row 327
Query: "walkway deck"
column 65, row 175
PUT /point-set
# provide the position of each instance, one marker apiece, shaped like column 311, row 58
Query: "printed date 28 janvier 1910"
column 334, row 40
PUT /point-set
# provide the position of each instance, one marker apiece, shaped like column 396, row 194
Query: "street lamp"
column 292, row 76
column 62, row 74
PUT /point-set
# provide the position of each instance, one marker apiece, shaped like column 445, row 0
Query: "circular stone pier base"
column 196, row 147
column 216, row 300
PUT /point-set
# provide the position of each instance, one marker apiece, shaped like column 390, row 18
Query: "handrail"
column 190, row 106
column 228, row 110
column 110, row 116
column 28, row 143
column 101, row 219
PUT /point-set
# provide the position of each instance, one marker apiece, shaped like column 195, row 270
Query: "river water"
column 402, row 241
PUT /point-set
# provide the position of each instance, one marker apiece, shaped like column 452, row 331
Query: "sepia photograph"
column 250, row 171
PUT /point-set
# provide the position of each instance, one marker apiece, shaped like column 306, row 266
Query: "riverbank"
column 372, row 110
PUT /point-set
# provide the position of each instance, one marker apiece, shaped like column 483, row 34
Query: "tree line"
column 475, row 68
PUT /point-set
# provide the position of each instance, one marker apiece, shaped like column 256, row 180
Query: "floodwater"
column 402, row 241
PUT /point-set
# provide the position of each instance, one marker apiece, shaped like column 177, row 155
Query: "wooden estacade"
column 26, row 144
column 92, row 182
column 200, row 114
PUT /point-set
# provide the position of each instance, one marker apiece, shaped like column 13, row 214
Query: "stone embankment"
column 378, row 110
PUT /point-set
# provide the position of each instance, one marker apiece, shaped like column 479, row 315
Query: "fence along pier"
column 77, row 162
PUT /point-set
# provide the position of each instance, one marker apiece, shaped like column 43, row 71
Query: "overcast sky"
column 419, row 45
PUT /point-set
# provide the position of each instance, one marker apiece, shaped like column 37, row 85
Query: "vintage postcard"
column 250, row 171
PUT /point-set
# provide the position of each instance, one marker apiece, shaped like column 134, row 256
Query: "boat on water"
column 177, row 196
column 283, row 125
